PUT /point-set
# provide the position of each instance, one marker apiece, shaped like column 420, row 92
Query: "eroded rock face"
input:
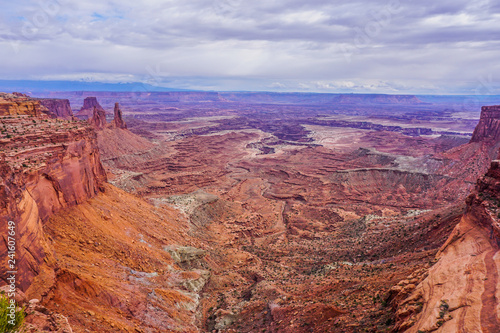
column 60, row 108
column 489, row 124
column 87, row 110
column 114, row 273
column 98, row 115
column 461, row 292
column 90, row 103
column 39, row 319
column 118, row 120
column 98, row 119
column 47, row 165
column 20, row 104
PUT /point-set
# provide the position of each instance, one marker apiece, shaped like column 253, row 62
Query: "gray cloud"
column 378, row 45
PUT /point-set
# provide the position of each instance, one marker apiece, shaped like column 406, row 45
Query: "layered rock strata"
column 461, row 291
column 46, row 165
column 98, row 119
column 87, row 110
column 118, row 121
column 20, row 104
column 59, row 108
column 489, row 125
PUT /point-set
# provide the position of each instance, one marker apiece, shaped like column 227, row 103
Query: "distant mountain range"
column 56, row 88
column 31, row 86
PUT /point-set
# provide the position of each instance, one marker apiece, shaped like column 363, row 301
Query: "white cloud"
column 254, row 45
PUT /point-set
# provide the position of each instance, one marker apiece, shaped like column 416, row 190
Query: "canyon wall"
column 489, row 125
column 460, row 292
column 20, row 104
column 46, row 165
column 90, row 257
column 60, row 108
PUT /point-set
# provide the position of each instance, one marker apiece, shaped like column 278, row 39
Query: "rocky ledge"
column 20, row 104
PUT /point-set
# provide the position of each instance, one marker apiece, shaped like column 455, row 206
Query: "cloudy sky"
column 386, row 46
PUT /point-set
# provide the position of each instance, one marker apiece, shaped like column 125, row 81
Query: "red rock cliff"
column 20, row 104
column 60, row 108
column 88, row 108
column 98, row 119
column 46, row 165
column 462, row 290
column 489, row 124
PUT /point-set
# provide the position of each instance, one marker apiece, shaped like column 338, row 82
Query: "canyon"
column 252, row 212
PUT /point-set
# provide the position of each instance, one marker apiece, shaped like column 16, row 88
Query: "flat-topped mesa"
column 18, row 104
column 118, row 120
column 87, row 110
column 98, row 119
column 59, row 108
column 91, row 103
column 378, row 99
column 488, row 127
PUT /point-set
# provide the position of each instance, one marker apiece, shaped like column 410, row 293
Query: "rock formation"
column 460, row 293
column 87, row 110
column 410, row 131
column 114, row 272
column 98, row 119
column 47, row 165
column 20, row 104
column 118, row 120
column 39, row 319
column 89, row 265
column 59, row 108
column 489, row 125
column 309, row 237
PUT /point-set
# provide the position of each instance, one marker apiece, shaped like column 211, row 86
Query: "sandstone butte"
column 112, row 262
column 60, row 108
column 87, row 110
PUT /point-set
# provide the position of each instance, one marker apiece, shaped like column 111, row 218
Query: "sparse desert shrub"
column 7, row 323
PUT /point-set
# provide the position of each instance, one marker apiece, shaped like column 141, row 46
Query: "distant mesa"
column 22, row 104
column 314, row 98
column 59, row 108
column 98, row 117
column 87, row 111
column 488, row 127
column 18, row 94
column 378, row 99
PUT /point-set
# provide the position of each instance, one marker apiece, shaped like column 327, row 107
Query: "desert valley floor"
column 254, row 212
